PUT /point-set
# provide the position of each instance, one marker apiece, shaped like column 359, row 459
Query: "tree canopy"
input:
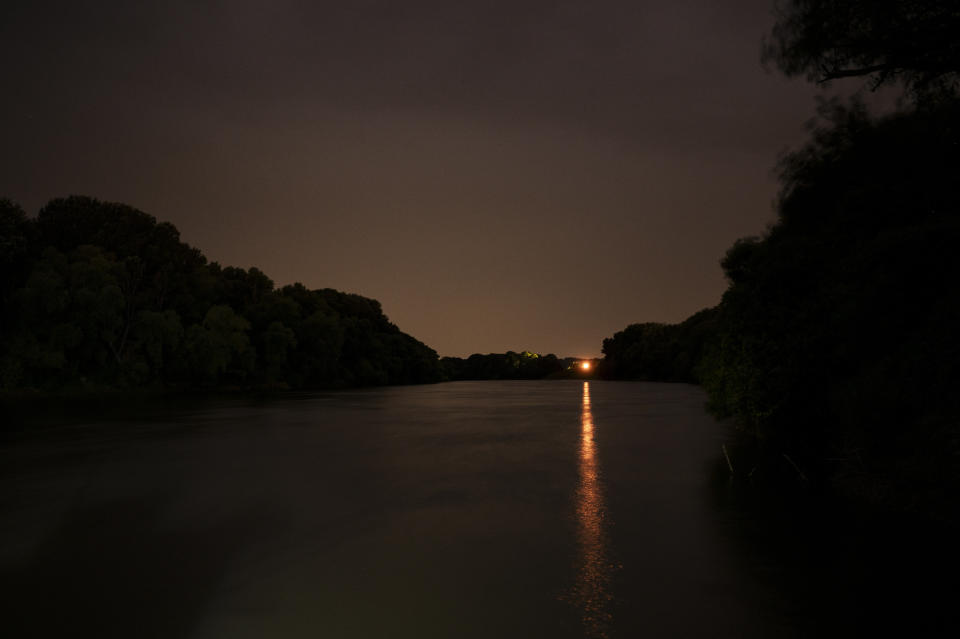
column 834, row 350
column 913, row 42
column 838, row 342
column 660, row 352
column 509, row 365
column 98, row 295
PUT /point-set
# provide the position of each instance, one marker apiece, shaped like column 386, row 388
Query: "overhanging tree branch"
column 836, row 74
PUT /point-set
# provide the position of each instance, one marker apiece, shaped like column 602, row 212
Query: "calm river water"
column 471, row 509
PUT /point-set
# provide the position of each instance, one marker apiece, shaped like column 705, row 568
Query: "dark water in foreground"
column 486, row 509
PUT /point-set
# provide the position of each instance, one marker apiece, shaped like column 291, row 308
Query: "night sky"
column 500, row 175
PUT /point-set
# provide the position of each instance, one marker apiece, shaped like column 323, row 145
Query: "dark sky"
column 500, row 175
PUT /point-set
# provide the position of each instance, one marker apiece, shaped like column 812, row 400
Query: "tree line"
column 835, row 349
column 97, row 295
column 509, row 365
column 660, row 352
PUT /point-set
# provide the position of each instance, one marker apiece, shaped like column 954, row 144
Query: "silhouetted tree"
column 887, row 41
column 661, row 352
column 16, row 235
column 837, row 345
column 101, row 295
column 509, row 365
column 834, row 348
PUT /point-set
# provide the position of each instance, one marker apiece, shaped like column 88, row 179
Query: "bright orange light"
column 585, row 365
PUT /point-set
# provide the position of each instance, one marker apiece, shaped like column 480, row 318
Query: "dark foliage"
column 835, row 350
column 913, row 42
column 509, row 365
column 98, row 295
column 838, row 341
column 660, row 352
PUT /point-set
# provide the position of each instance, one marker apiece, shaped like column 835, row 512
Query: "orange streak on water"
column 593, row 575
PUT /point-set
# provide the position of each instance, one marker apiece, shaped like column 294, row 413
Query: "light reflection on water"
column 449, row 510
column 592, row 590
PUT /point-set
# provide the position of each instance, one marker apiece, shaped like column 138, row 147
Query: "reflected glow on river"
column 593, row 576
column 557, row 509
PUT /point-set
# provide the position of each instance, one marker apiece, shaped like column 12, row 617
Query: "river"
column 468, row 509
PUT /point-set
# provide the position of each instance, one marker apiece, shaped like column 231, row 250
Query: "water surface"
column 471, row 509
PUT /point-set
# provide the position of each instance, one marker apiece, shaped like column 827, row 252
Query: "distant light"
column 585, row 365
